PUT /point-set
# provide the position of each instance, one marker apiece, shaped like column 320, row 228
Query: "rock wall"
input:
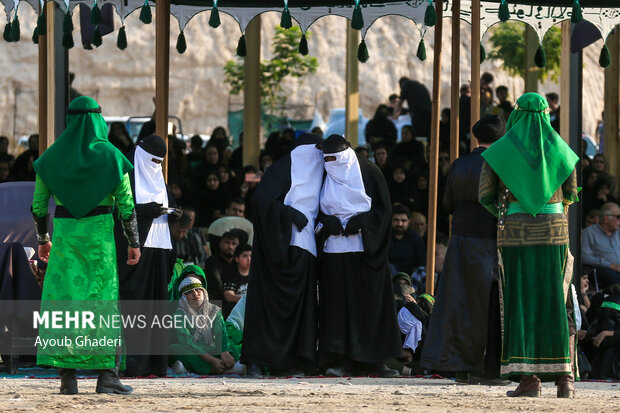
column 124, row 81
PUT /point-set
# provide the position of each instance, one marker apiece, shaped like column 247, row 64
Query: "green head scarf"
column 82, row 167
column 531, row 158
column 173, row 287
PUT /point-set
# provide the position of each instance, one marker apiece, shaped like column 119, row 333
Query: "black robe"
column 464, row 325
column 146, row 281
column 280, row 329
column 357, row 314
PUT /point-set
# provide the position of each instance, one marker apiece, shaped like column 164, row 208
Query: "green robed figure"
column 528, row 181
column 87, row 176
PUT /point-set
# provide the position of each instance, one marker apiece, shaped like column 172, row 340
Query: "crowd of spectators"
column 214, row 188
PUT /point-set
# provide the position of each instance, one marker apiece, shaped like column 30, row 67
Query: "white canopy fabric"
column 540, row 18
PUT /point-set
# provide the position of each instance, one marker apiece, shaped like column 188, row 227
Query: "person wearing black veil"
column 147, row 281
column 281, row 310
column 357, row 317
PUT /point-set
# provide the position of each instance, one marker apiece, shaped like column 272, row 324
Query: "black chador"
column 148, row 280
column 280, row 316
column 358, row 327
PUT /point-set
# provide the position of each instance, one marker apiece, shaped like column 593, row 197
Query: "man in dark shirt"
column 419, row 103
column 219, row 264
column 236, row 282
column 407, row 250
column 464, row 333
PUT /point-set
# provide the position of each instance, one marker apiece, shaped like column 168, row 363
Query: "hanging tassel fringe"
column 604, row 59
column 181, row 43
column 214, row 18
column 303, row 45
column 421, row 53
column 67, row 41
column 145, row 13
column 430, row 15
column 483, row 53
column 95, row 15
column 15, row 30
column 97, row 40
column 362, row 52
column 121, row 40
column 576, row 15
column 357, row 22
column 35, row 35
column 286, row 22
column 540, row 59
column 241, row 47
column 41, row 24
column 504, row 13
column 7, row 32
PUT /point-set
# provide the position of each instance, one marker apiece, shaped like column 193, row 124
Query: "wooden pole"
column 43, row 144
column 612, row 97
column 565, row 54
column 251, row 94
column 475, row 70
column 434, row 154
column 455, row 82
column 162, row 72
column 352, row 97
column 50, row 74
column 531, row 70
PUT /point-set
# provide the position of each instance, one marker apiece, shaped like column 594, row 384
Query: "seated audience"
column 219, row 264
column 192, row 248
column 236, row 282
column 407, row 250
column 600, row 245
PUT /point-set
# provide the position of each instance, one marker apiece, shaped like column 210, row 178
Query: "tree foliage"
column 286, row 61
column 508, row 41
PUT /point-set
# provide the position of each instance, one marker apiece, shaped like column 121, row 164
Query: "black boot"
column 108, row 382
column 68, row 382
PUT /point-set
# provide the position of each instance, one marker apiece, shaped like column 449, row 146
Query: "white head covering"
column 411, row 327
column 344, row 196
column 306, row 182
column 150, row 187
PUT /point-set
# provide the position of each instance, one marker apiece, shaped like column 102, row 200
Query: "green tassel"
column 483, row 53
column 7, row 32
column 145, row 13
column 15, row 32
column 303, row 45
column 576, row 16
column 421, row 54
column 67, row 23
column 97, row 40
column 357, row 22
column 504, row 13
column 41, row 24
column 604, row 59
column 286, row 22
column 95, row 15
column 241, row 47
column 214, row 19
column 540, row 58
column 181, row 43
column 67, row 40
column 430, row 15
column 35, row 35
column 362, row 52
column 121, row 40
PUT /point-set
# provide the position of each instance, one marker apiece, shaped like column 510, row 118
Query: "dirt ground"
column 298, row 395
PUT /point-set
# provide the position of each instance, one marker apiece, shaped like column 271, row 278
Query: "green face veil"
column 531, row 158
column 82, row 167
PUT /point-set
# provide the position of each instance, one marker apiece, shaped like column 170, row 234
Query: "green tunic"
column 186, row 350
column 81, row 275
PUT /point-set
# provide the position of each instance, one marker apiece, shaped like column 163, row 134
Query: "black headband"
column 82, row 111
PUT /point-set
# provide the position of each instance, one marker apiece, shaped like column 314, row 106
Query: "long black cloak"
column 357, row 311
column 280, row 329
column 146, row 281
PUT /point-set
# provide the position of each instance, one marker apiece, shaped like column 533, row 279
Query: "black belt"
column 62, row 212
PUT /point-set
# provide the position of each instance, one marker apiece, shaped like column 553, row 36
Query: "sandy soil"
column 296, row 395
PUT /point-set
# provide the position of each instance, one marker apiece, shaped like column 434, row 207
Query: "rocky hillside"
column 124, row 81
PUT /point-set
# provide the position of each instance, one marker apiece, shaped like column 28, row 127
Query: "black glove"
column 331, row 224
column 130, row 229
column 299, row 219
column 40, row 224
column 355, row 224
column 151, row 210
